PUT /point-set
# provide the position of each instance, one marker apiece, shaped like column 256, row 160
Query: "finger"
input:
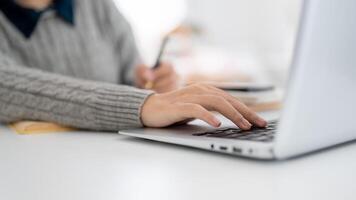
column 166, row 84
column 171, row 78
column 167, row 88
column 221, row 105
column 163, row 70
column 148, row 74
column 140, row 82
column 242, row 108
column 145, row 73
column 189, row 110
column 144, row 78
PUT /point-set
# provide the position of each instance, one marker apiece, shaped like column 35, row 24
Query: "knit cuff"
column 119, row 107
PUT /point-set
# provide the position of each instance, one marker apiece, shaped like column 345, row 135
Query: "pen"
column 150, row 84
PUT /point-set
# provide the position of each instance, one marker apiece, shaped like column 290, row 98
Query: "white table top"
column 94, row 165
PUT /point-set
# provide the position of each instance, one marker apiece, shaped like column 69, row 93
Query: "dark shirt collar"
column 26, row 20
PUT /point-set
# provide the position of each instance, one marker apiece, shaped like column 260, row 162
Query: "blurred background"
column 211, row 40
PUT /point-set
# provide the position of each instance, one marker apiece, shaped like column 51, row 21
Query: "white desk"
column 86, row 166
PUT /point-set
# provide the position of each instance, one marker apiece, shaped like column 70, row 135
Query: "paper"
column 35, row 127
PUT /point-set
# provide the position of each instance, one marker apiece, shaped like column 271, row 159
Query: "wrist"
column 147, row 108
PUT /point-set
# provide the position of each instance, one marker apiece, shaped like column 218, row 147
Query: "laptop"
column 320, row 104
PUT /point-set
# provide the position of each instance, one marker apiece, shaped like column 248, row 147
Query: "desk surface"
column 94, row 165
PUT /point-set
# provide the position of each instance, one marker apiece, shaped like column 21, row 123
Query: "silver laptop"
column 320, row 104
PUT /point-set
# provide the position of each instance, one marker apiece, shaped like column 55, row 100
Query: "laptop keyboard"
column 254, row 134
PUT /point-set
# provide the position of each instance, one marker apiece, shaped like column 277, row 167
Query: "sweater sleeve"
column 121, row 34
column 31, row 94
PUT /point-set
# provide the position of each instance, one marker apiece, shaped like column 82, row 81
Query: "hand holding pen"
column 161, row 77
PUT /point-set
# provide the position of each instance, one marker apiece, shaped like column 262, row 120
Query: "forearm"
column 29, row 94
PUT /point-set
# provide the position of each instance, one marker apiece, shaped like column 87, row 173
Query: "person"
column 75, row 62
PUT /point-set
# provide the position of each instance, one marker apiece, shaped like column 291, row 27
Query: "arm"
column 30, row 94
column 36, row 95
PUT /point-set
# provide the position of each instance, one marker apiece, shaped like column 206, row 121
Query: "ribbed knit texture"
column 72, row 74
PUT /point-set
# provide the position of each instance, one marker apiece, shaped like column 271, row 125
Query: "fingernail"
column 247, row 124
column 216, row 122
column 261, row 122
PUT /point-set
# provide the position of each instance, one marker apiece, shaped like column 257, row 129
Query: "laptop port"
column 223, row 148
column 212, row 146
column 237, row 150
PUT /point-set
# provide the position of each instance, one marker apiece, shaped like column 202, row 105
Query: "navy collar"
column 26, row 20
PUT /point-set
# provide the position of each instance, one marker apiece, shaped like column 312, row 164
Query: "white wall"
column 151, row 20
column 265, row 30
column 247, row 25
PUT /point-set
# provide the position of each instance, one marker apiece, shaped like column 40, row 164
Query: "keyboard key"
column 255, row 134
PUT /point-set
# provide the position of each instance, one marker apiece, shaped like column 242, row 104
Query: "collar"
column 26, row 20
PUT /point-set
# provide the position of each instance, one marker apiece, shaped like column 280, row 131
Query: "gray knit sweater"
column 71, row 75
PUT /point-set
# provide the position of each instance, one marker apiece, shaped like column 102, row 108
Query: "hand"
column 162, row 79
column 196, row 102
